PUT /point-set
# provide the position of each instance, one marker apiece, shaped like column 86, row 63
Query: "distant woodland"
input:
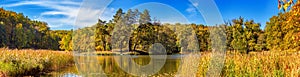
column 282, row 32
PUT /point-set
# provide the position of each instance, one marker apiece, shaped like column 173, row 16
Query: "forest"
column 281, row 32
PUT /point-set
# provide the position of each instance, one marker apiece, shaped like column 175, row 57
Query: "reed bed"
column 261, row 64
column 32, row 62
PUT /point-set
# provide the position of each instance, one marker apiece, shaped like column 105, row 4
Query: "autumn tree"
column 83, row 40
column 292, row 27
column 202, row 36
column 252, row 32
column 245, row 36
column 239, row 41
column 274, row 32
column 282, row 31
column 229, row 38
column 102, row 36
column 285, row 4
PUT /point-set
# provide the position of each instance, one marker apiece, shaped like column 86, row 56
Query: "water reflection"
column 107, row 66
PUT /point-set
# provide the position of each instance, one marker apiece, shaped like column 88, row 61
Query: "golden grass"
column 264, row 64
column 267, row 63
column 32, row 62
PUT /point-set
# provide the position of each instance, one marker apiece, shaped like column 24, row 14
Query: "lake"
column 110, row 66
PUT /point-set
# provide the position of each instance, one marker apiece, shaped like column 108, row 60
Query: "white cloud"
column 89, row 16
column 191, row 10
column 195, row 4
column 68, row 9
column 91, row 11
column 65, row 13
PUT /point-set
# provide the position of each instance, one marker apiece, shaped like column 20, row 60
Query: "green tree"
column 202, row 36
column 20, row 39
column 145, row 17
column 273, row 32
column 229, row 34
column 21, row 32
column 239, row 41
column 83, row 40
column 66, row 42
column 101, row 36
column 3, row 35
column 252, row 32
column 261, row 42
column 118, row 15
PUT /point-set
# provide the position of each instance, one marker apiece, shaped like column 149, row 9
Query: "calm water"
column 108, row 66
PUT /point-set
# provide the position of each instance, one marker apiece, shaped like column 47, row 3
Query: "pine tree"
column 118, row 15
column 145, row 17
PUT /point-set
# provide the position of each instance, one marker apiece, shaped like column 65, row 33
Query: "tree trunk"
column 134, row 47
column 130, row 49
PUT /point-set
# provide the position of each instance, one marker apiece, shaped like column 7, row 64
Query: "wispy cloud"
column 65, row 13
column 68, row 9
column 195, row 4
column 192, row 10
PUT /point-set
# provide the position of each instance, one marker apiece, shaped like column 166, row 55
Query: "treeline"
column 18, row 31
column 282, row 32
column 242, row 35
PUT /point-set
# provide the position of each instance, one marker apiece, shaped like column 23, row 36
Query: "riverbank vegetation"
column 32, row 62
column 266, row 63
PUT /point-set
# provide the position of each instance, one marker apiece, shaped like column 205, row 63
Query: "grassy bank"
column 32, row 62
column 268, row 63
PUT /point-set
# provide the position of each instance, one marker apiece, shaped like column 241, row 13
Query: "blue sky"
column 62, row 14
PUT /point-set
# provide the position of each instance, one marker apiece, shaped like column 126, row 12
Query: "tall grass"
column 268, row 63
column 32, row 62
column 254, row 64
